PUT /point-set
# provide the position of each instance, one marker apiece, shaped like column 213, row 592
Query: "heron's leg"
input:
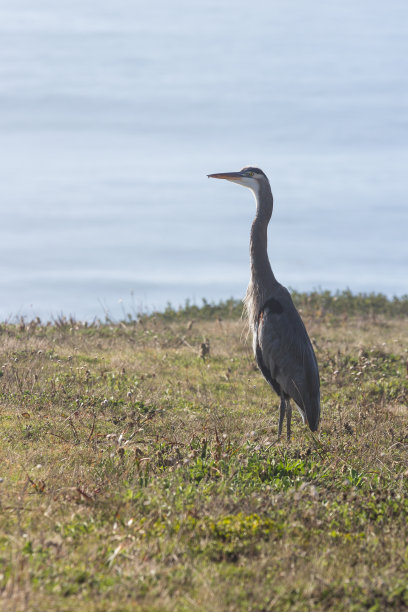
column 281, row 415
column 288, row 417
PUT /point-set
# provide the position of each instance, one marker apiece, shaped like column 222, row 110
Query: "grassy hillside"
column 139, row 473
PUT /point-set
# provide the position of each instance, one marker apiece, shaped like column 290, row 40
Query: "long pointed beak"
column 229, row 176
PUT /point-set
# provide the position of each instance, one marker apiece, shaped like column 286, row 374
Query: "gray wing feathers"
column 288, row 354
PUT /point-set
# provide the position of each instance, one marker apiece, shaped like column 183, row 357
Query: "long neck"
column 261, row 271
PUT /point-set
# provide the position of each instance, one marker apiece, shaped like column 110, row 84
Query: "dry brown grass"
column 137, row 475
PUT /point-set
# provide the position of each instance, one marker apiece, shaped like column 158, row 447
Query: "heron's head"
column 249, row 177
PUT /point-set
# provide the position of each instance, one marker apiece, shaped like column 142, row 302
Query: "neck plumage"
column 261, row 271
column 262, row 277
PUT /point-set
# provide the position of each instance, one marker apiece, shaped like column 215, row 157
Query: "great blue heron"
column 282, row 347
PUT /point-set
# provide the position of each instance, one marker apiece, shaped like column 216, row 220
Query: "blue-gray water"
column 112, row 114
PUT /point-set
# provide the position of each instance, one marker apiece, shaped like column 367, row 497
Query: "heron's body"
column 282, row 347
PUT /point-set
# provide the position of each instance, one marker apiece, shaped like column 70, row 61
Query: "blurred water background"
column 112, row 114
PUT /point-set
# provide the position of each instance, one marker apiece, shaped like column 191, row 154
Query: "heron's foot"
column 278, row 440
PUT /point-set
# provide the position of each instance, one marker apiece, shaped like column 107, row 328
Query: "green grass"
column 138, row 476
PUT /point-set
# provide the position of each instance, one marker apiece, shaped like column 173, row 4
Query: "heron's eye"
column 251, row 173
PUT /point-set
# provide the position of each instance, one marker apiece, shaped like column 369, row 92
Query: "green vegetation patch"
column 140, row 466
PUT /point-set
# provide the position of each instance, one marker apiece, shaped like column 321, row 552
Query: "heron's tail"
column 313, row 414
column 310, row 409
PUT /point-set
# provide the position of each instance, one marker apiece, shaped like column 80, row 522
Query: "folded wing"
column 285, row 355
